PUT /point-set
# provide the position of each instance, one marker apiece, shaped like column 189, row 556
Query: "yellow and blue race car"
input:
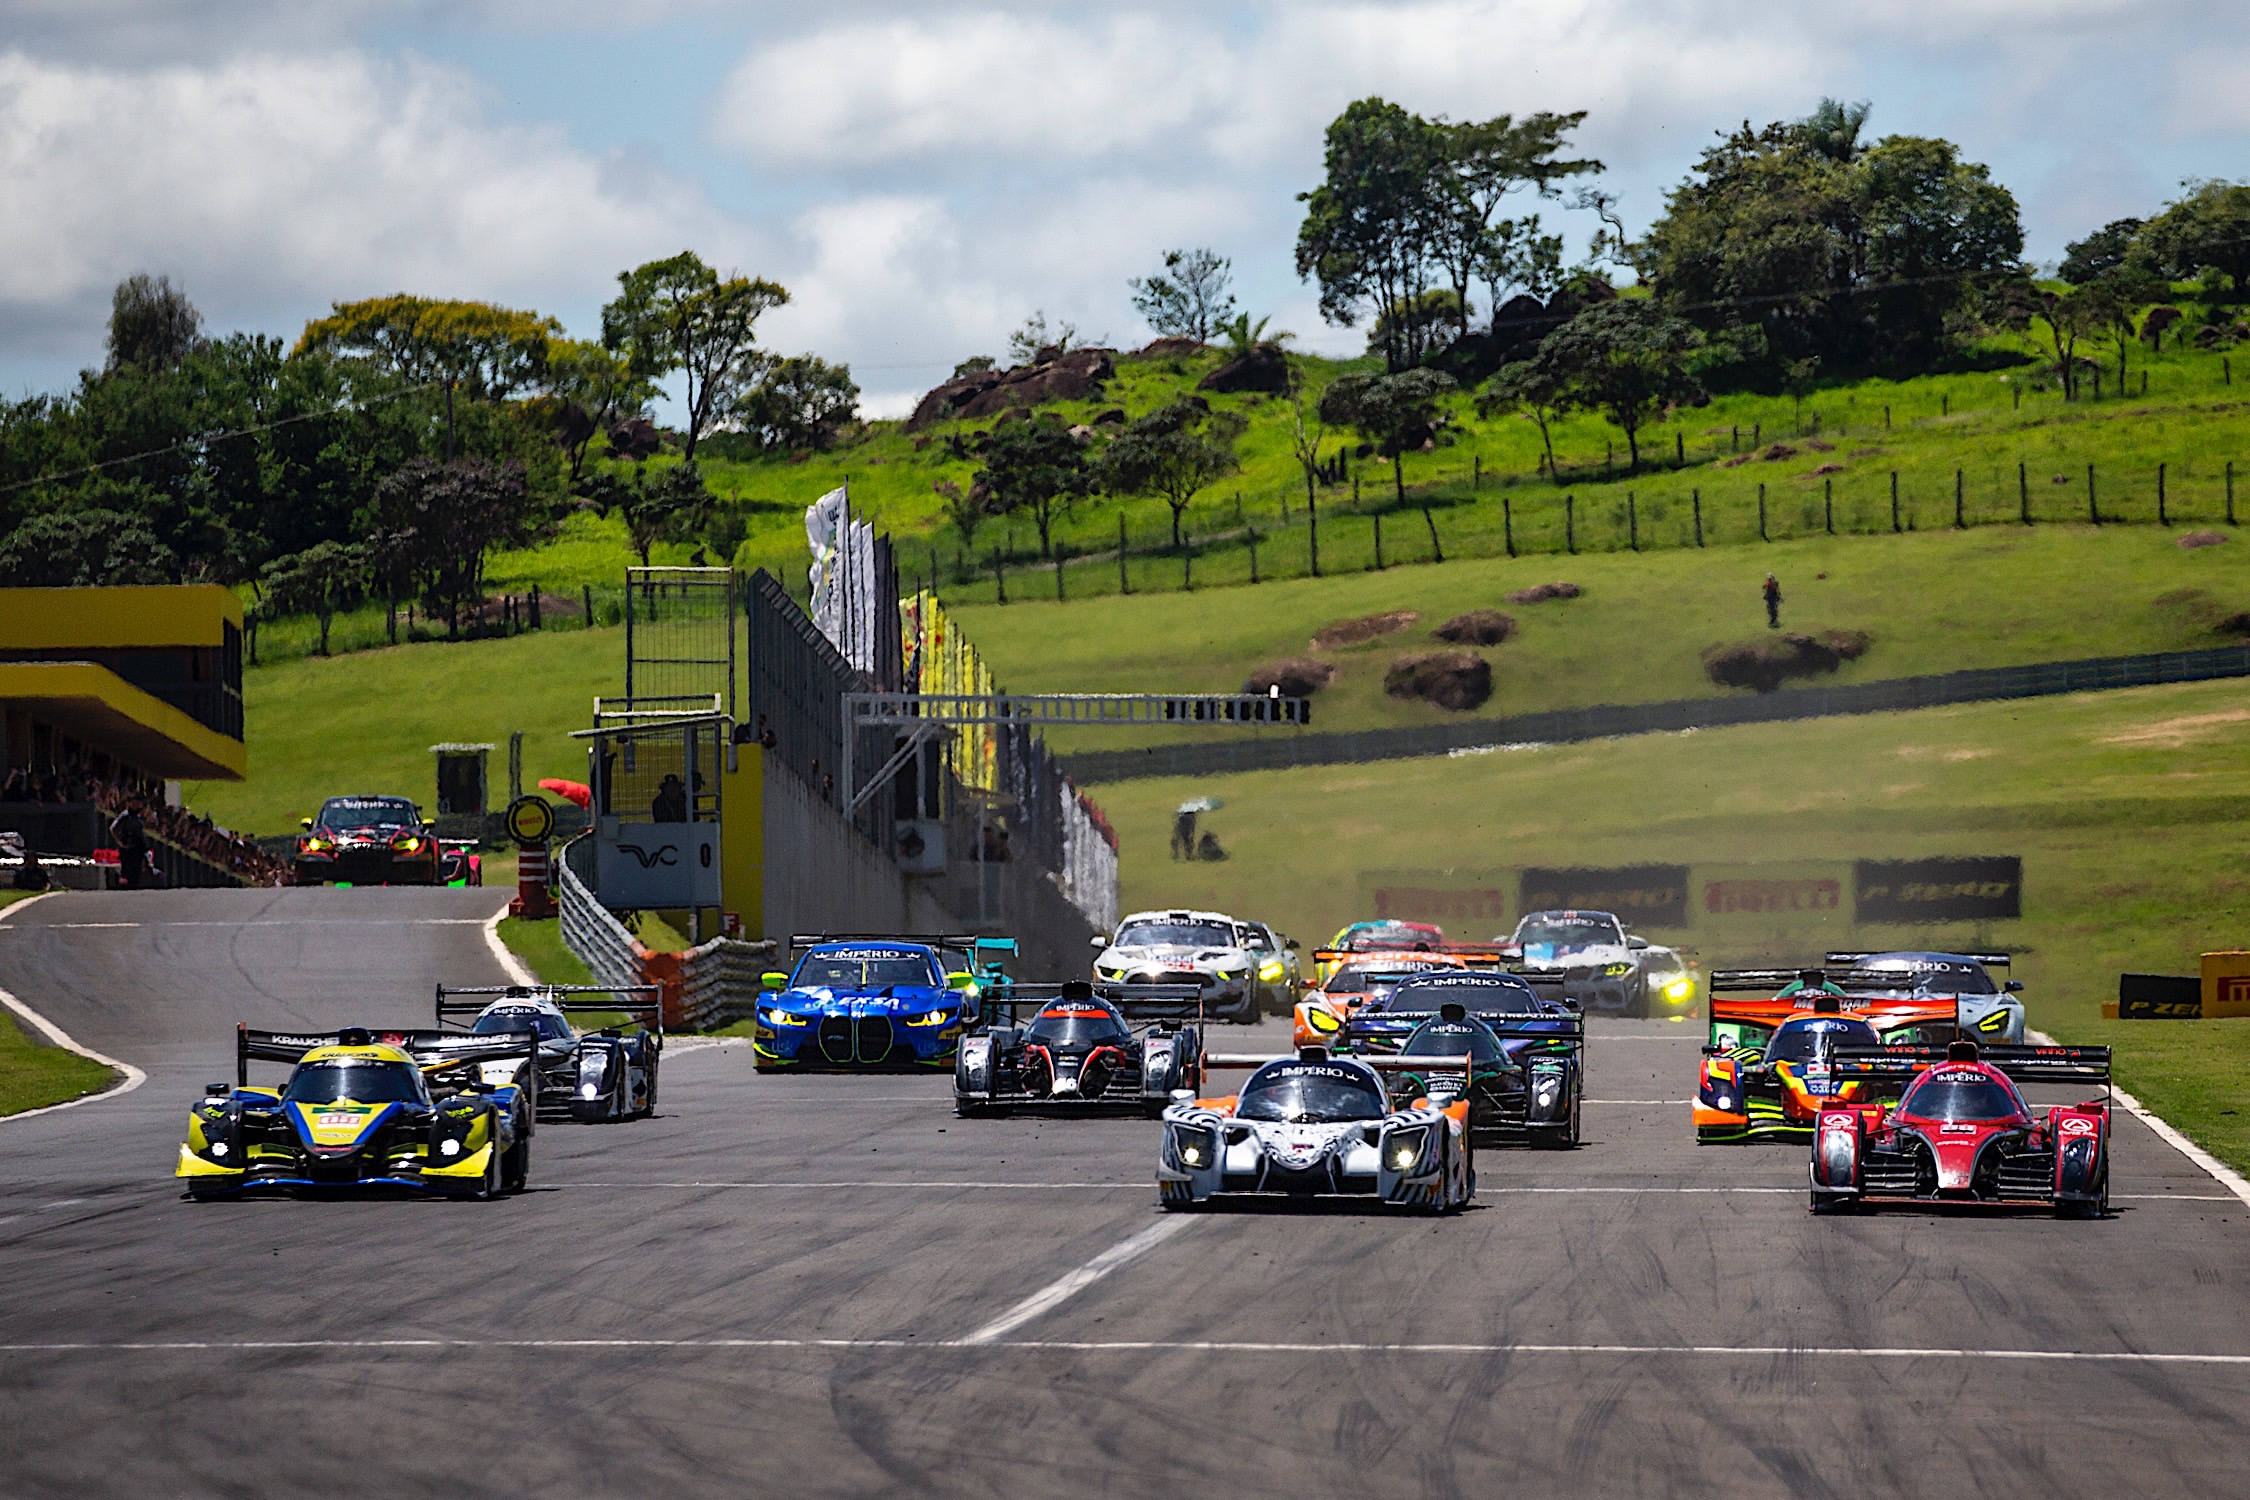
column 367, row 1108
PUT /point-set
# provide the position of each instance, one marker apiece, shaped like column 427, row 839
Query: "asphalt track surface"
column 829, row 1286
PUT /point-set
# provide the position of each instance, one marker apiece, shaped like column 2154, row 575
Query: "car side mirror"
column 1636, row 943
column 1290, row 944
column 961, row 981
column 2013, row 987
column 774, row 981
column 1183, row 1096
column 305, row 824
column 1099, row 941
column 217, row 1090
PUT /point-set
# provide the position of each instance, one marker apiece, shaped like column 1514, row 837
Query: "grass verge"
column 34, row 1074
column 540, row 946
column 2127, row 809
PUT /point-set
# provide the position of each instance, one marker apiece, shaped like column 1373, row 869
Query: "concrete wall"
column 821, row 876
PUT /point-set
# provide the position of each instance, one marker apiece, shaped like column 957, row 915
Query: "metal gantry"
column 923, row 715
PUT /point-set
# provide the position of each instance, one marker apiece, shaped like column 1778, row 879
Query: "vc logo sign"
column 663, row 854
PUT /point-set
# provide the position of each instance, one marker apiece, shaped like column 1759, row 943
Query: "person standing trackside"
column 1183, row 834
column 1773, row 602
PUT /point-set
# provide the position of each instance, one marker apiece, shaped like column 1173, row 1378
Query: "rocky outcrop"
column 1075, row 375
column 1260, row 369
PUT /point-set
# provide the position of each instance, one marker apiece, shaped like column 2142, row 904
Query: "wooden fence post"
column 1123, row 586
column 2162, row 518
column 1058, row 575
column 1828, row 503
column 1476, row 472
column 1894, row 483
column 1312, row 531
column 999, row 576
column 1570, row 523
column 1698, row 495
column 2093, row 511
column 1679, row 450
column 2230, row 492
column 1508, row 518
column 1253, row 554
column 1437, row 550
column 1378, row 541
column 1632, row 521
column 2023, row 492
column 1960, row 523
column 1762, row 514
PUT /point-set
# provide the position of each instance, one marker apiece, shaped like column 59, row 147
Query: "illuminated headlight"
column 1194, row 1145
column 1324, row 1021
column 935, row 1018
column 784, row 1018
column 1405, row 1147
column 1272, row 971
column 1547, row 1088
column 218, row 1148
column 449, row 1148
column 1234, row 973
column 406, row 844
column 589, row 1090
column 1722, row 1101
column 1679, row 989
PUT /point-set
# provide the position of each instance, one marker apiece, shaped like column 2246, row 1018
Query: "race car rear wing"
column 1855, row 960
column 971, row 941
column 431, row 1049
column 1127, row 997
column 1254, row 1060
column 2023, row 1064
column 1854, row 980
column 482, row 996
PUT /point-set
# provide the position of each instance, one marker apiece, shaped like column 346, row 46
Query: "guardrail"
column 1604, row 721
column 716, row 982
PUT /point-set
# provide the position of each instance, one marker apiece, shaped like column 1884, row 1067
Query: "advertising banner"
column 1473, row 901
column 1643, row 895
column 1965, row 888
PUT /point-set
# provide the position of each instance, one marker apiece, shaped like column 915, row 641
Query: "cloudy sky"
column 923, row 176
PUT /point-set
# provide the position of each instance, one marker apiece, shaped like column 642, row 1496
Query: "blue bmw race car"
column 865, row 1003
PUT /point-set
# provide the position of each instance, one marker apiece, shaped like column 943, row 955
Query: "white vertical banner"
column 825, row 523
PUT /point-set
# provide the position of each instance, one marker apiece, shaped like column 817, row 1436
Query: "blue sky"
column 922, row 177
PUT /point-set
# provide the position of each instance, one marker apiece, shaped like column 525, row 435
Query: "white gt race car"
column 1208, row 950
column 1310, row 1126
column 1604, row 968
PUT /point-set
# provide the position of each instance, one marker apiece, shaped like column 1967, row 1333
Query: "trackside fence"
column 1605, row 721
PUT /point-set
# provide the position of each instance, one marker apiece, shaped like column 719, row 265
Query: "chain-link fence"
column 679, row 637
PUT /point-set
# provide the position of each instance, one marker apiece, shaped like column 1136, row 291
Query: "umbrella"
column 1200, row 805
column 569, row 791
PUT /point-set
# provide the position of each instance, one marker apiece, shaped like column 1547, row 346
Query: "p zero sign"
column 1644, row 895
column 1970, row 888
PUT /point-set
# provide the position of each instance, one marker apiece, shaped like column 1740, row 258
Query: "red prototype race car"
column 1961, row 1131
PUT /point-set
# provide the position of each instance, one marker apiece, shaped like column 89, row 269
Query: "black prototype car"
column 1080, row 1051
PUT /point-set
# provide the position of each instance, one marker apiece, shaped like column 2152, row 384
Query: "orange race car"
column 1360, row 976
column 1375, row 937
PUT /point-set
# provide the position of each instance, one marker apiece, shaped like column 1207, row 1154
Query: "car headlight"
column 1680, row 989
column 784, row 1018
column 1195, row 1145
column 935, row 1018
column 406, row 843
column 1997, row 1021
column 1322, row 1020
column 1272, row 971
column 1404, row 1149
column 449, row 1147
column 589, row 1090
column 218, row 1148
column 1722, row 1100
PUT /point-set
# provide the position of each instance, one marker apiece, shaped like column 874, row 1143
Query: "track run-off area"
column 829, row 1286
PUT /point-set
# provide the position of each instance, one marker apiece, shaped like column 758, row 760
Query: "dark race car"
column 1544, row 1039
column 366, row 1108
column 1495, row 1084
column 1081, row 1051
column 1961, row 1131
column 606, row 1074
column 367, row 841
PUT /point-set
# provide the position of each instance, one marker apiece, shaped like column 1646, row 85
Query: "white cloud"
column 284, row 183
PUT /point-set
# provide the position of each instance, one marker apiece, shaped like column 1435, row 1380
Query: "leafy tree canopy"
column 1171, row 453
column 2208, row 229
column 152, row 324
column 74, row 549
column 799, row 402
column 1627, row 359
column 1034, row 466
column 1189, row 298
column 678, row 315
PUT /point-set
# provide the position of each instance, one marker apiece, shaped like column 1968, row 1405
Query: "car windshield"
column 1937, row 976
column 1801, row 1039
column 1569, row 932
column 1077, row 1028
column 1393, row 935
column 367, row 812
column 359, row 1079
column 1175, row 935
column 1310, row 1093
column 1424, row 999
column 1960, row 1095
column 549, row 1026
column 862, row 970
column 1451, row 1039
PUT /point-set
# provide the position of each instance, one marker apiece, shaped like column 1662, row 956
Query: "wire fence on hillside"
column 271, row 639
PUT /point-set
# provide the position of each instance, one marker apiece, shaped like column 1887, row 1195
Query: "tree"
column 799, row 402
column 1034, row 466
column 152, row 325
column 1534, row 389
column 319, row 581
column 2103, row 250
column 2206, row 230
column 1171, row 453
column 1188, row 299
column 1626, row 359
column 597, row 388
column 78, row 549
column 435, row 522
column 1304, row 441
column 1393, row 412
column 1366, row 238
column 1479, row 164
column 1516, row 256
column 1862, row 255
column 481, row 350
column 1035, row 338
column 965, row 509
column 2068, row 320
column 679, row 315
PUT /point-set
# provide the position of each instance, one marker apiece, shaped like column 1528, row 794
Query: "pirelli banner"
column 1717, row 900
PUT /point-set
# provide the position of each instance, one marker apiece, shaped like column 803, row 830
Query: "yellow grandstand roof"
column 95, row 705
column 109, row 619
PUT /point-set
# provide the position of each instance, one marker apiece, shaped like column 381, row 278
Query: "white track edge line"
column 2224, row 1175
column 1132, row 1247
column 1132, row 1346
column 515, row 968
column 130, row 1077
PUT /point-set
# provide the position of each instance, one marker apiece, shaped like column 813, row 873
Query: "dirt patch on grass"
column 1763, row 665
column 1540, row 593
column 2176, row 733
column 1479, row 627
column 1298, row 677
column 1362, row 630
column 1956, row 754
column 2195, row 539
column 1456, row 680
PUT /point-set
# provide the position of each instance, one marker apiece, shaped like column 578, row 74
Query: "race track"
column 829, row 1286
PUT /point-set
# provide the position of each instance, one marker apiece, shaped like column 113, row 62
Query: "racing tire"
column 515, row 1165
column 2088, row 1208
column 1153, row 1109
column 648, row 1106
column 1636, row 1007
column 1834, row 1203
column 204, row 1195
column 495, row 1179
